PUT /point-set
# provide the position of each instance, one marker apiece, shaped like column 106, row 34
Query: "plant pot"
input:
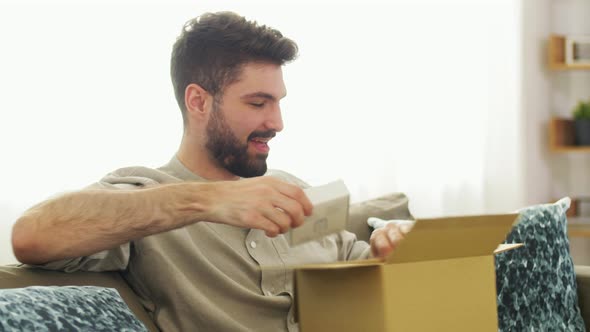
column 582, row 127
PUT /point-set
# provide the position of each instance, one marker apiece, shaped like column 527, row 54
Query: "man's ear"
column 197, row 100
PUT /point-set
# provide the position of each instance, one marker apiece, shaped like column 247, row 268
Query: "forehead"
column 258, row 78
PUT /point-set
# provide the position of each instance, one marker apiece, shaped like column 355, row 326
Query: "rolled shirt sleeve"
column 114, row 259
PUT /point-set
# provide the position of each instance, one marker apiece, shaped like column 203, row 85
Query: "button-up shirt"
column 207, row 276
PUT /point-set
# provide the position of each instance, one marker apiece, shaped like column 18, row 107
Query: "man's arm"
column 85, row 222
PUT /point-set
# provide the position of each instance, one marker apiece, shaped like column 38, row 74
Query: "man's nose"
column 275, row 120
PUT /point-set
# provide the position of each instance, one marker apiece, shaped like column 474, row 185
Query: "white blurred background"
column 421, row 97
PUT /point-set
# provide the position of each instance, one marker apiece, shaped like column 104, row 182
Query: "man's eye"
column 258, row 105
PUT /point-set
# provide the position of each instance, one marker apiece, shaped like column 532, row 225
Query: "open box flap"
column 453, row 237
column 329, row 266
column 364, row 262
column 440, row 238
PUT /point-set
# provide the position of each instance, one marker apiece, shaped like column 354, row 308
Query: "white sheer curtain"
column 412, row 96
column 419, row 97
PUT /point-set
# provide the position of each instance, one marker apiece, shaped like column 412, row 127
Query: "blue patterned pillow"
column 536, row 283
column 69, row 308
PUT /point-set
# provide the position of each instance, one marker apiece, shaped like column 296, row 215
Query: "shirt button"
column 253, row 244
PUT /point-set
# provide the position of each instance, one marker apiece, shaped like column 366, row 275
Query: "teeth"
column 261, row 140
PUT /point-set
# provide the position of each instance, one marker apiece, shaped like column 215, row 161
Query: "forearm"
column 86, row 222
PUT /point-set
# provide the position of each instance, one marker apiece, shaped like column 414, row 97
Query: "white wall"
column 412, row 96
column 570, row 173
column 548, row 93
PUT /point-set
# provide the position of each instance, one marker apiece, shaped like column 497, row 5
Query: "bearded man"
column 190, row 236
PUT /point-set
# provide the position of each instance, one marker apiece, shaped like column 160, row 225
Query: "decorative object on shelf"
column 577, row 50
column 578, row 217
column 579, row 222
column 558, row 47
column 582, row 122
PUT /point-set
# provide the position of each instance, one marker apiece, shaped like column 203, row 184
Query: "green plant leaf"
column 582, row 110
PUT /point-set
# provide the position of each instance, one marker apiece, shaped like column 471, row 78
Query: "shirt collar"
column 177, row 169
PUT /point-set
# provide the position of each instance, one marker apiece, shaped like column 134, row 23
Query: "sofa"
column 392, row 206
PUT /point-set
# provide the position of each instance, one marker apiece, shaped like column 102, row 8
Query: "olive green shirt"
column 207, row 276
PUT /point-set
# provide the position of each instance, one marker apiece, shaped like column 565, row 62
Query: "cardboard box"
column 440, row 278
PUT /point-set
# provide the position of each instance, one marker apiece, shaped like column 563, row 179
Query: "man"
column 190, row 237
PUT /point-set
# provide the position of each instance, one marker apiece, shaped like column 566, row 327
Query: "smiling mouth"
column 261, row 140
column 261, row 144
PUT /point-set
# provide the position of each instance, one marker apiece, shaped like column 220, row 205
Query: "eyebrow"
column 260, row 95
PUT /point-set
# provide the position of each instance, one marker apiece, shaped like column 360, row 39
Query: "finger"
column 292, row 208
column 405, row 226
column 279, row 218
column 384, row 247
column 297, row 194
column 272, row 233
column 270, row 228
column 380, row 245
column 374, row 251
column 394, row 235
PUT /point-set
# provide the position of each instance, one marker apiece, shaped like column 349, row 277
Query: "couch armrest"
column 583, row 281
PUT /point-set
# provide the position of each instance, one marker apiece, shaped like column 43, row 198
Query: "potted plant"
column 582, row 123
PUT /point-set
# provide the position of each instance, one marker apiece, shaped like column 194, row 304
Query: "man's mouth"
column 261, row 144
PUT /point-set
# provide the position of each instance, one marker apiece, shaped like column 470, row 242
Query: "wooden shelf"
column 561, row 136
column 564, row 149
column 578, row 230
column 578, row 227
column 557, row 55
column 563, row 66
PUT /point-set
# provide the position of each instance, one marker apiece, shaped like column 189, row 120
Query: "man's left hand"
column 384, row 240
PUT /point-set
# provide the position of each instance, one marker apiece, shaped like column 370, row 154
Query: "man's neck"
column 196, row 158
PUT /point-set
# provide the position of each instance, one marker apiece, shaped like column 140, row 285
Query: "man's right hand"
column 265, row 203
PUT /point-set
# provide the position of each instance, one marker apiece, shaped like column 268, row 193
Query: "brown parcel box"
column 440, row 278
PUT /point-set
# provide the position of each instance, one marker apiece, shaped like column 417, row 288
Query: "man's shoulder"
column 136, row 176
column 287, row 177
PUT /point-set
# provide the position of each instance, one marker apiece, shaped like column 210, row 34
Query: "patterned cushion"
column 536, row 283
column 70, row 308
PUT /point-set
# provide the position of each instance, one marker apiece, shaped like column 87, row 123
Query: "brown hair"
column 213, row 47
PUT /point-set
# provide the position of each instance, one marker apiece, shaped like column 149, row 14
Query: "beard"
column 227, row 150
